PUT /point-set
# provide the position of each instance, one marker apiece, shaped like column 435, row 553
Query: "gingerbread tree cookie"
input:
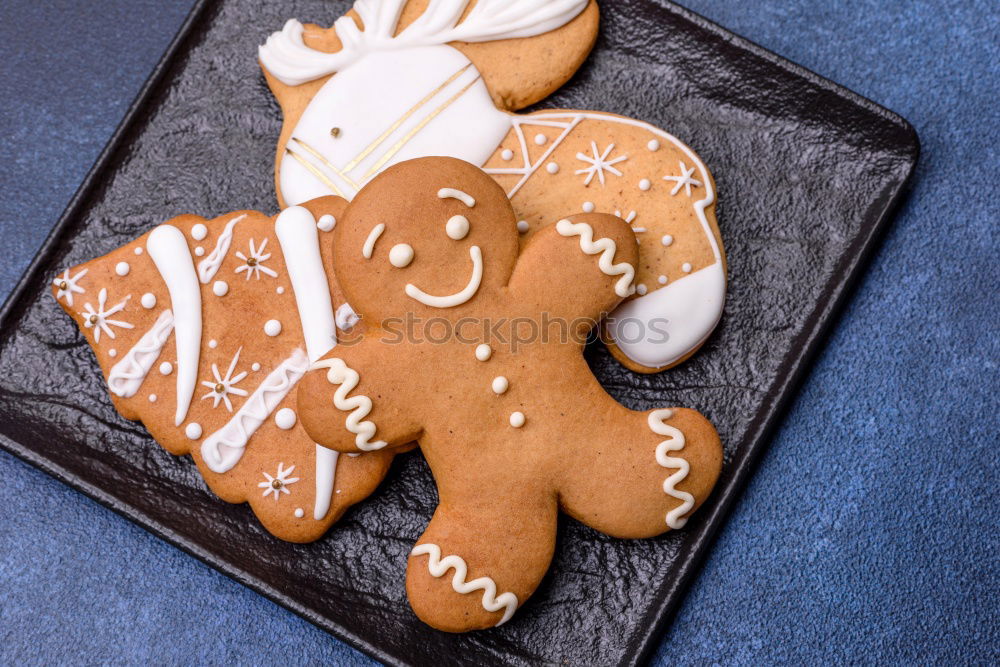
column 474, row 348
column 400, row 79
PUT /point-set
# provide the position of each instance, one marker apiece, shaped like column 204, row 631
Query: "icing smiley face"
column 403, row 243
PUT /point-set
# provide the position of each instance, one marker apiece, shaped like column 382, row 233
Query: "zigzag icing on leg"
column 127, row 375
column 439, row 566
column 675, row 443
column 607, row 248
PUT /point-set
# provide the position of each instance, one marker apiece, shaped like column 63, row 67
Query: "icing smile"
column 458, row 298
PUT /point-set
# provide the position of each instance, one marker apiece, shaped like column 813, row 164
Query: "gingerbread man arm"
column 352, row 400
column 579, row 268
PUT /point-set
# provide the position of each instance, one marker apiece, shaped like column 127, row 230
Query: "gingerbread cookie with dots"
column 202, row 329
column 399, row 79
column 514, row 426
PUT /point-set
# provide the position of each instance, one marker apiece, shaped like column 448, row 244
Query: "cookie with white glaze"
column 399, row 79
column 491, row 382
column 202, row 329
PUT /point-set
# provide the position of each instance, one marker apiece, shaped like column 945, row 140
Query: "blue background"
column 870, row 530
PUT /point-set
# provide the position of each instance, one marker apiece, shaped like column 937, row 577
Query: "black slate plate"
column 807, row 172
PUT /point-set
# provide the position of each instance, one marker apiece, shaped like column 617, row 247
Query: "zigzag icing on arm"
column 359, row 406
column 223, row 449
column 127, row 375
column 439, row 566
column 675, row 517
column 607, row 248
column 209, row 266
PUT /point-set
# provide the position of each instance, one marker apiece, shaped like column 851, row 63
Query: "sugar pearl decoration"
column 285, row 419
column 645, row 184
column 280, row 290
column 152, row 398
column 148, row 300
column 193, row 431
column 199, row 232
column 122, row 268
column 199, row 251
column 272, row 328
column 326, row 223
column 138, row 250
column 662, row 280
column 667, row 241
column 653, row 145
column 523, row 226
column 507, row 155
column 166, row 368
column 641, row 290
column 484, row 352
column 686, row 268
column 517, row 419
column 552, row 168
column 112, row 353
column 220, row 288
column 212, row 344
column 457, row 228
column 401, row 255
column 540, row 139
column 500, row 385
column 299, row 513
column 588, row 207
column 255, row 367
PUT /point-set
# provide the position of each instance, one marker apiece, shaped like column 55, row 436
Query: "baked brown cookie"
column 401, row 79
column 473, row 347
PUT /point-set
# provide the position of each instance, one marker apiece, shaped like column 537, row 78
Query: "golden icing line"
column 412, row 133
column 395, row 126
column 329, row 165
column 317, row 173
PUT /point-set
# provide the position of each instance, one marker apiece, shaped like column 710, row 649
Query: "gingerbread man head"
column 492, row 384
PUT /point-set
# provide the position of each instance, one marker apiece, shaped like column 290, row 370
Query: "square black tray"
column 808, row 174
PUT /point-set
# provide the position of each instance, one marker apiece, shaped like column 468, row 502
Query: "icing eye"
column 458, row 227
column 401, row 255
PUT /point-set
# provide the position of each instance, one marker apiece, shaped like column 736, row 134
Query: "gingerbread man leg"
column 640, row 476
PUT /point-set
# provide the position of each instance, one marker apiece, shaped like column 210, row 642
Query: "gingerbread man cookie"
column 399, row 79
column 474, row 348
column 202, row 329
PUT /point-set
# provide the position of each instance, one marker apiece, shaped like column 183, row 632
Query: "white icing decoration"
column 255, row 367
column 152, row 398
column 653, row 145
column 138, row 250
column 359, row 406
column 552, row 168
column 209, row 266
column 299, row 512
column 122, row 268
column 500, row 385
column 517, row 419
column 166, row 368
column 684, row 180
column 507, row 155
column 213, row 344
column 272, row 328
column 641, row 289
column 401, row 255
column 148, row 300
column 296, row 230
column 523, row 226
column 71, row 286
column 438, row 567
column 606, row 248
column 280, row 290
column 326, row 223
column 662, row 280
column 112, row 353
column 98, row 318
column 667, row 240
column 199, row 232
column 457, row 227
column 223, row 449
column 645, row 184
column 254, row 264
column 326, row 475
column 458, row 298
column 346, row 318
column 588, row 207
column 686, row 267
column 224, row 385
column 484, row 352
column 193, row 431
column 279, row 483
column 199, row 251
column 452, row 193
column 287, row 58
column 220, row 288
column 169, row 251
column 675, row 442
column 599, row 163
column 285, row 419
column 540, row 139
column 369, row 247
column 127, row 376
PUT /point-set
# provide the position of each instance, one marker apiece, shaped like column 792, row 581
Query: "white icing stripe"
column 127, row 375
column 223, row 449
column 209, row 266
column 168, row 249
column 369, row 247
column 326, row 475
column 439, row 566
column 299, row 239
column 286, row 56
column 359, row 406
column 606, row 247
column 451, row 193
column 675, row 517
column 458, row 298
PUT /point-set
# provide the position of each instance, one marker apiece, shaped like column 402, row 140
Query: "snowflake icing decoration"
column 224, row 386
column 684, row 180
column 279, row 483
column 599, row 163
column 254, row 264
column 66, row 285
column 630, row 218
column 99, row 319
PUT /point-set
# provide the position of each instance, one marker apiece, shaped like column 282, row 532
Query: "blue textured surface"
column 870, row 531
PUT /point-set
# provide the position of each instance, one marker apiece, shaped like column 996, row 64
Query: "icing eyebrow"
column 369, row 246
column 451, row 193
